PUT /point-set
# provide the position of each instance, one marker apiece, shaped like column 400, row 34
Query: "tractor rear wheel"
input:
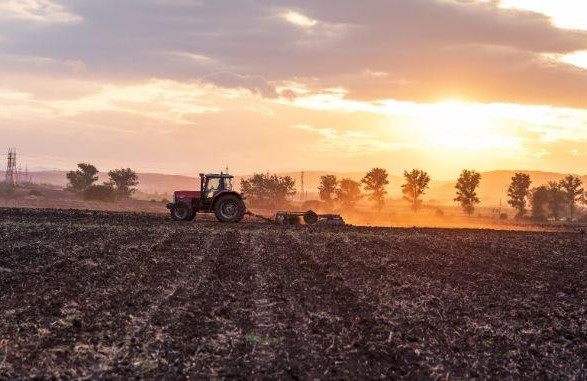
column 310, row 217
column 182, row 211
column 229, row 208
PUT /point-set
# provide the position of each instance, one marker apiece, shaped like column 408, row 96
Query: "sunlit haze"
column 185, row 86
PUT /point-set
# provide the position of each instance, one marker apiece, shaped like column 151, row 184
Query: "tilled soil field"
column 123, row 295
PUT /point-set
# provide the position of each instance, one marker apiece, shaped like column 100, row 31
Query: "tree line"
column 546, row 201
column 347, row 192
column 120, row 185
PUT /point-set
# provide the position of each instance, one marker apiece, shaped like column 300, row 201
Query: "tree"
column 82, row 178
column 571, row 187
column 467, row 190
column 556, row 199
column 268, row 190
column 518, row 192
column 327, row 188
column 348, row 193
column 375, row 181
column 123, row 180
column 539, row 199
column 417, row 182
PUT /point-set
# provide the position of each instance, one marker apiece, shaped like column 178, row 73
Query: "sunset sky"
column 182, row 86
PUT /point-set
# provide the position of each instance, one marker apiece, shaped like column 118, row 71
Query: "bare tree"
column 348, row 193
column 375, row 181
column 571, row 187
column 466, row 187
column 417, row 181
column 518, row 192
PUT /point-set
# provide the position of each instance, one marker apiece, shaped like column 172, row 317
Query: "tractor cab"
column 212, row 184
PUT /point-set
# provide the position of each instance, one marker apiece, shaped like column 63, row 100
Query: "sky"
column 189, row 86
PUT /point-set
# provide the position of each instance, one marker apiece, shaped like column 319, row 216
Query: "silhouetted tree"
column 466, row 187
column 348, row 193
column 571, row 187
column 518, row 192
column 327, row 188
column 417, row 182
column 123, row 180
column 375, row 181
column 268, row 190
column 556, row 199
column 82, row 178
column 539, row 199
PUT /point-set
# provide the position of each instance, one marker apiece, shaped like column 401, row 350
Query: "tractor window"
column 228, row 183
column 212, row 186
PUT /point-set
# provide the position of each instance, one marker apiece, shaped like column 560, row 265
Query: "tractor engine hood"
column 185, row 195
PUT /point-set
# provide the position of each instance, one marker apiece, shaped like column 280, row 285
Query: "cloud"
column 161, row 100
column 428, row 49
column 350, row 143
column 565, row 13
column 40, row 64
column 253, row 83
column 356, row 73
column 44, row 11
column 299, row 19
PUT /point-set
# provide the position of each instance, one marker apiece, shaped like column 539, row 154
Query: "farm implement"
column 216, row 195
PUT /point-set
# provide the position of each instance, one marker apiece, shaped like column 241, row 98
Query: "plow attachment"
column 295, row 218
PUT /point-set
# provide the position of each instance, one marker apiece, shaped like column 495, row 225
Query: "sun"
column 454, row 123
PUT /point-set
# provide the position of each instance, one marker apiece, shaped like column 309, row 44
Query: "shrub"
column 439, row 213
column 503, row 216
column 100, row 193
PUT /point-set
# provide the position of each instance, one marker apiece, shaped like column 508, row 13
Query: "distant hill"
column 493, row 184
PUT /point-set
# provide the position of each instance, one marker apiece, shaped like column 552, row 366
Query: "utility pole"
column 10, row 175
column 302, row 192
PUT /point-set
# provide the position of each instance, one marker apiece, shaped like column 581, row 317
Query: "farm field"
column 118, row 295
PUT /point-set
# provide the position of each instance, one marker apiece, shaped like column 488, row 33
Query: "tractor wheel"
column 229, row 208
column 182, row 211
column 310, row 217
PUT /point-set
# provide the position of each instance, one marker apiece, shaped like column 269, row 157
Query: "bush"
column 100, row 193
column 438, row 213
column 503, row 216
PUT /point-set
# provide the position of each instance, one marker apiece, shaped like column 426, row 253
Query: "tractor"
column 215, row 196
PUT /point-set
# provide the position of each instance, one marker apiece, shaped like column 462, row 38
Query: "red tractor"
column 215, row 196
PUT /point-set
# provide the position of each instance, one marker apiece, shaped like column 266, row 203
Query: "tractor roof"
column 223, row 175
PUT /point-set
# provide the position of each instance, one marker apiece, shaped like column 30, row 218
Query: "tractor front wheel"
column 229, row 208
column 182, row 211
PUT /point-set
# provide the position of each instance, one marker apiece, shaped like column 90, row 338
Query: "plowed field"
column 127, row 295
